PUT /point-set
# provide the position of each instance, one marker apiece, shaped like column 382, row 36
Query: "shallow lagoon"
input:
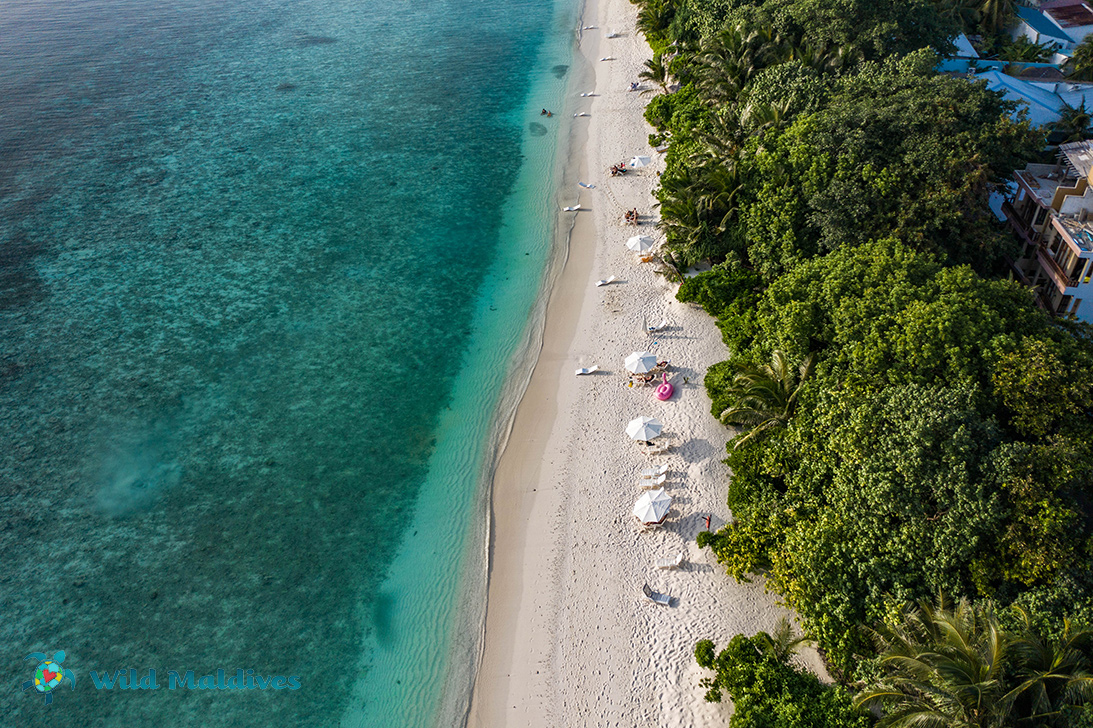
column 248, row 255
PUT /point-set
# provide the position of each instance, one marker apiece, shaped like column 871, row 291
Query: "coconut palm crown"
column 764, row 396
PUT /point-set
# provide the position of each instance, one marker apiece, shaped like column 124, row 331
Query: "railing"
column 1048, row 261
column 1020, row 226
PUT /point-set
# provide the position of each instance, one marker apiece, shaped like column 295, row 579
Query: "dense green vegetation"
column 767, row 691
column 963, row 666
column 909, row 423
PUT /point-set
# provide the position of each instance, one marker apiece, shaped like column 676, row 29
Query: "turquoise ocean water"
column 264, row 267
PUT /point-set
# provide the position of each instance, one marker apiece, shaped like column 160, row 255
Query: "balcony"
column 1020, row 226
column 1049, row 264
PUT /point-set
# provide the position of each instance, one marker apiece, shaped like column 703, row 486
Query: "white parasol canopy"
column 653, row 506
column 639, row 162
column 640, row 243
column 641, row 362
column 644, row 428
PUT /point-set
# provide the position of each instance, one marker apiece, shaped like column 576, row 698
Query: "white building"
column 1039, row 28
column 1073, row 17
column 1052, row 211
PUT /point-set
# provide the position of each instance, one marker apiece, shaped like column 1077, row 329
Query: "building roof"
column 1080, row 231
column 1069, row 13
column 1071, row 94
column 964, row 48
column 1080, row 156
column 1041, row 73
column 1040, row 23
column 1042, row 105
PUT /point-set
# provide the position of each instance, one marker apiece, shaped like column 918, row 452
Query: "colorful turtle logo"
column 49, row 674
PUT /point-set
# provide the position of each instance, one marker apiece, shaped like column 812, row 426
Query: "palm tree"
column 764, row 396
column 759, row 118
column 1053, row 673
column 1081, row 62
column 733, row 58
column 1074, row 121
column 656, row 71
column 997, row 15
column 654, row 17
column 957, row 668
column 1024, row 50
column 945, row 669
column 964, row 13
column 781, row 643
column 695, row 210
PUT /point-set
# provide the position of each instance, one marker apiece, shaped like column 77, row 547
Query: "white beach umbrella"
column 640, row 243
column 653, row 506
column 639, row 161
column 641, row 362
column 644, row 428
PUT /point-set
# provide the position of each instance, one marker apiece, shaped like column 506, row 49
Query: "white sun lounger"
column 589, row 370
column 572, row 208
column 662, row 599
column 655, row 472
column 659, row 327
column 652, row 483
column 670, row 563
column 605, row 281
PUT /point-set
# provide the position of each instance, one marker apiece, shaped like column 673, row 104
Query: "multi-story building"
column 1052, row 211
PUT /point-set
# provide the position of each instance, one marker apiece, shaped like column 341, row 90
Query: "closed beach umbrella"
column 640, row 243
column 641, row 362
column 653, row 506
column 644, row 428
column 639, row 161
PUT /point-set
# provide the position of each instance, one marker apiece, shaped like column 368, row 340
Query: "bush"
column 767, row 692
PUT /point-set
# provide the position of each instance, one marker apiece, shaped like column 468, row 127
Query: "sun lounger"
column 572, row 208
column 606, row 281
column 670, row 563
column 655, row 472
column 662, row 599
column 659, row 327
column 652, row 483
column 589, row 370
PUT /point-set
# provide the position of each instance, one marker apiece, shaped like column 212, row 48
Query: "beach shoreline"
column 568, row 638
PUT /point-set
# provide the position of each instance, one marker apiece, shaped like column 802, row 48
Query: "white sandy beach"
column 569, row 638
